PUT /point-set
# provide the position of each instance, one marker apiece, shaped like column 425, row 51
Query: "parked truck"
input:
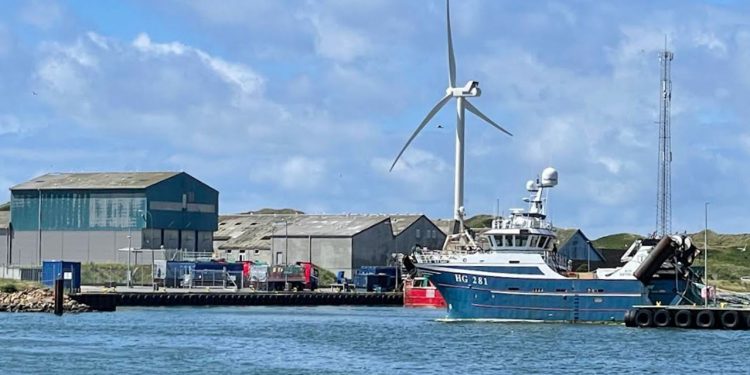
column 298, row 276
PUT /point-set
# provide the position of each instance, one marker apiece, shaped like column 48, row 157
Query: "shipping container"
column 70, row 272
column 376, row 278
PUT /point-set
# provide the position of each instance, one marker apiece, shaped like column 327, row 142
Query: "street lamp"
column 705, row 254
column 153, row 263
column 286, row 251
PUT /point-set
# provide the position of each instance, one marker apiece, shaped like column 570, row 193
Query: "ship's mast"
column 664, row 189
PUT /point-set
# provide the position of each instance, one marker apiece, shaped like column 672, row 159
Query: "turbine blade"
column 451, row 57
column 481, row 115
column 421, row 126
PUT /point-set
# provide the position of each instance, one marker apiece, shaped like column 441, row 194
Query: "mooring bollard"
column 59, row 283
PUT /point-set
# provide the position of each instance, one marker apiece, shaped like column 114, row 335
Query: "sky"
column 305, row 104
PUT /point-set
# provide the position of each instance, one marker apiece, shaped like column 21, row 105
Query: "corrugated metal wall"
column 373, row 246
column 423, row 232
column 90, row 225
column 77, row 210
column 183, row 202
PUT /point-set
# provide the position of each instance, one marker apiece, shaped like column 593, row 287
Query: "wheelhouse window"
column 543, row 242
column 521, row 240
column 508, row 240
column 533, row 241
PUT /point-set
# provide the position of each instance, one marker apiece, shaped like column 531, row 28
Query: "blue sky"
column 305, row 104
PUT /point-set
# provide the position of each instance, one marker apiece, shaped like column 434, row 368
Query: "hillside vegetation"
column 616, row 241
column 728, row 258
column 479, row 221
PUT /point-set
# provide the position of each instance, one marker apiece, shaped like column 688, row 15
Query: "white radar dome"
column 531, row 185
column 549, row 177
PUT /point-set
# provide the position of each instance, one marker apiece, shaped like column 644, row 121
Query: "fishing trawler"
column 521, row 276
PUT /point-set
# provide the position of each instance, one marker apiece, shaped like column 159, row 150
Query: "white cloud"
column 42, row 14
column 421, row 175
column 745, row 142
column 711, row 42
column 612, row 165
column 296, row 173
column 338, row 42
column 9, row 124
column 6, row 41
column 238, row 75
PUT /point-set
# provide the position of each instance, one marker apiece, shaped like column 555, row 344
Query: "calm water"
column 347, row 340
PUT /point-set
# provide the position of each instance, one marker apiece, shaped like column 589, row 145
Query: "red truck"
column 300, row 276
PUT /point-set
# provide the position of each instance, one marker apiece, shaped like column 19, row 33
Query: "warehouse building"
column 5, row 236
column 247, row 237
column 91, row 217
column 334, row 242
column 574, row 245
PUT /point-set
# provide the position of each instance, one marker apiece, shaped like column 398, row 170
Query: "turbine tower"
column 471, row 89
column 664, row 188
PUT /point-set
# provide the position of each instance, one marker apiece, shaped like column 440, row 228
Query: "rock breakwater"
column 37, row 300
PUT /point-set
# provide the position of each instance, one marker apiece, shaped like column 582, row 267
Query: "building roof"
column 248, row 231
column 254, row 231
column 399, row 223
column 5, row 206
column 107, row 180
column 448, row 225
column 564, row 235
column 329, row 225
column 4, row 219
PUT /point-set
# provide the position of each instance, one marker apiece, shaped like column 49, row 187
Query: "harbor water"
column 347, row 340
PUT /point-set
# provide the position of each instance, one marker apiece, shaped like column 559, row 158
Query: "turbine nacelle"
column 470, row 90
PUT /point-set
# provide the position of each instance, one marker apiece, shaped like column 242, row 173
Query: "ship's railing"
column 440, row 256
column 557, row 261
column 525, row 222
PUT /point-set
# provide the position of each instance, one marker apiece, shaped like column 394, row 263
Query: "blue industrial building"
column 89, row 217
column 574, row 245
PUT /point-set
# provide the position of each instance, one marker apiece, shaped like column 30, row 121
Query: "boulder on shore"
column 37, row 300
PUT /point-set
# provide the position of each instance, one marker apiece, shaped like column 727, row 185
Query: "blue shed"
column 54, row 269
column 573, row 244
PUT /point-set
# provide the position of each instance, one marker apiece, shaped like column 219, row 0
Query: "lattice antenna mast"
column 664, row 189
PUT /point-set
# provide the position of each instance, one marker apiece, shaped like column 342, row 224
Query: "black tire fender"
column 683, row 319
column 662, row 318
column 730, row 319
column 644, row 318
column 705, row 319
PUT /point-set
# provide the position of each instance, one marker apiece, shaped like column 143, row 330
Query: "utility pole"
column 664, row 187
column 705, row 255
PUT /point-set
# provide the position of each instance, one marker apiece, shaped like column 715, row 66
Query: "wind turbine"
column 471, row 89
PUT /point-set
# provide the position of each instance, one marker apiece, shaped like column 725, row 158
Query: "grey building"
column 89, row 217
column 573, row 244
column 247, row 237
column 5, row 236
column 334, row 242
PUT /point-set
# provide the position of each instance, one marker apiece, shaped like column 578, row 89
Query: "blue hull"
column 522, row 298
